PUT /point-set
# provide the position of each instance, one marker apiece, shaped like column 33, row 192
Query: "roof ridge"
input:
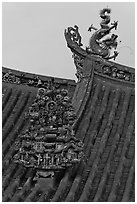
column 23, row 74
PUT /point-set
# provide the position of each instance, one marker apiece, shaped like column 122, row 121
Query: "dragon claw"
column 115, row 54
column 91, row 28
column 115, row 24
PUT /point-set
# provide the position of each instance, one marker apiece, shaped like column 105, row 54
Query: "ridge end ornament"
column 100, row 42
column 73, row 34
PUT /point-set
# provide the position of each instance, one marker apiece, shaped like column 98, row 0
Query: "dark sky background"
column 33, row 34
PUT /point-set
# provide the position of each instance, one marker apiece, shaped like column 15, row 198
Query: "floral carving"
column 114, row 72
column 10, row 78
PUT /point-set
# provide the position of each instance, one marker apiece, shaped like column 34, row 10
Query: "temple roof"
column 104, row 106
column 103, row 99
column 106, row 126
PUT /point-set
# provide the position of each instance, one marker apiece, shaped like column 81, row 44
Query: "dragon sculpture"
column 98, row 45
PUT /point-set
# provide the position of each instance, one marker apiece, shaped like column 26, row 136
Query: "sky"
column 33, row 34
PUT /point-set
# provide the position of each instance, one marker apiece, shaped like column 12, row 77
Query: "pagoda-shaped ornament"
column 49, row 143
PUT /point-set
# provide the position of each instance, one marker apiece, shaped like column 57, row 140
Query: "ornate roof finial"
column 98, row 45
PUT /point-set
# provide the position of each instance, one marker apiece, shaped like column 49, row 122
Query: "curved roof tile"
column 104, row 105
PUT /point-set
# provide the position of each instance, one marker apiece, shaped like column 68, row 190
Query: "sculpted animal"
column 98, row 45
